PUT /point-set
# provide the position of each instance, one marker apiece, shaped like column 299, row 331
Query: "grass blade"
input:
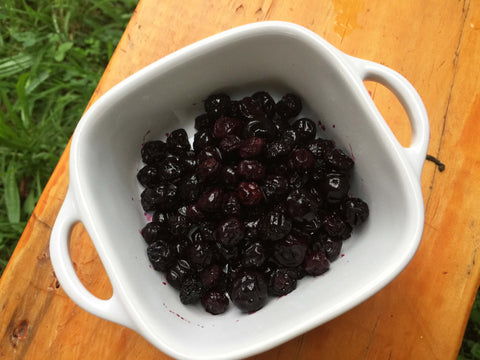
column 15, row 64
column 12, row 196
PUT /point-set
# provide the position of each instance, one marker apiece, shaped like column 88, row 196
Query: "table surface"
column 422, row 314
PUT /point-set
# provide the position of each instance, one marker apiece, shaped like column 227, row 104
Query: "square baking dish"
column 278, row 57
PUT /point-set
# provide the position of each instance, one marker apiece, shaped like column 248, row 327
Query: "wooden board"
column 422, row 314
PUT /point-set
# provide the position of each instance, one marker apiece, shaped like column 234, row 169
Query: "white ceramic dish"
column 104, row 194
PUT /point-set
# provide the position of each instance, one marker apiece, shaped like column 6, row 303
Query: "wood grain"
column 420, row 315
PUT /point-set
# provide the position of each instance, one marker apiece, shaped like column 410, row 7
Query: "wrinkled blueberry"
column 191, row 291
column 282, row 282
column 274, row 226
column 249, row 193
column 316, row 263
column 153, row 152
column 230, row 231
column 161, row 255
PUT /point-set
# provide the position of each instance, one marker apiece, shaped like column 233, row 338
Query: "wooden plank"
column 422, row 313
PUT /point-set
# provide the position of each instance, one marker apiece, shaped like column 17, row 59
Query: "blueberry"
column 149, row 176
column 153, row 152
column 316, row 262
column 305, row 129
column 215, row 302
column 356, row 211
column 230, row 231
column 249, row 291
column 217, row 105
column 282, row 282
column 274, row 226
column 289, row 106
column 177, row 141
column 161, row 255
column 249, row 193
column 190, row 291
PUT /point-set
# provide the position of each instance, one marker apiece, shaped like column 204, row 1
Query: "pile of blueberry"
column 257, row 204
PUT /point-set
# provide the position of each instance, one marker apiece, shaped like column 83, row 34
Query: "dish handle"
column 412, row 103
column 110, row 309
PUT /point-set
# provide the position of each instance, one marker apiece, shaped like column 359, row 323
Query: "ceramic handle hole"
column 392, row 111
column 87, row 264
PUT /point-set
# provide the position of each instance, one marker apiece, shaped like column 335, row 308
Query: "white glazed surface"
column 104, row 194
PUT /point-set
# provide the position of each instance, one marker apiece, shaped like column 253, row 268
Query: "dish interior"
column 169, row 95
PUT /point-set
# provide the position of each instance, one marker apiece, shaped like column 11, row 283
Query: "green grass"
column 52, row 54
column 470, row 349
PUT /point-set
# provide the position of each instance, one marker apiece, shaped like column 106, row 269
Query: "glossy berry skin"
column 249, row 193
column 177, row 141
column 178, row 273
column 154, row 231
column 282, row 281
column 207, row 152
column 160, row 217
column 230, row 232
column 161, row 255
column 335, row 226
column 225, row 126
column 153, row 152
column 229, row 176
column 254, row 255
column 332, row 249
column 320, row 147
column 275, row 188
column 215, row 301
column 267, row 104
column 149, row 176
column 210, row 201
column 251, row 170
column 161, row 197
column 213, row 277
column 178, row 224
column 189, row 189
column 200, row 254
column 207, row 229
column 356, row 211
column 290, row 251
column 289, row 106
column 208, row 169
column 249, row 291
column 251, row 147
column 217, row 105
column 316, row 263
column 259, row 128
column 301, row 160
column 305, row 129
column 230, row 143
column 189, row 162
column 231, row 205
column 277, row 149
column 170, row 169
column 249, row 109
column 194, row 214
column 203, row 122
column 190, row 291
column 203, row 139
column 338, row 160
column 274, row 226
column 300, row 205
column 335, row 187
